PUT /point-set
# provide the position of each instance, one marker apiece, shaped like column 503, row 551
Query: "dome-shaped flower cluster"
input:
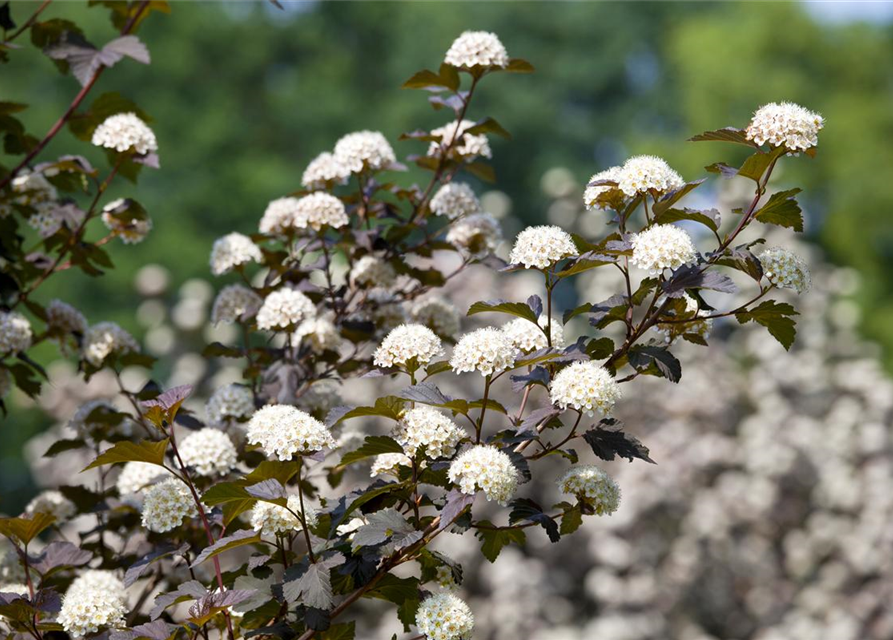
column 443, row 616
column 586, row 387
column 785, row 270
column 15, row 332
column 454, row 200
column 542, row 246
column 591, row 194
column 324, row 171
column 785, row 124
column 662, row 246
column 321, row 397
column 477, row 49
column 271, row 519
column 319, row 210
column 210, row 451
column 389, row 464
column 320, row 333
column 461, row 145
column 136, row 477
column 96, row 599
column 485, row 468
column 371, row 271
column 476, row 235
column 230, row 402
column 428, row 429
column 125, row 132
column 104, row 339
column 592, row 485
column 528, row 337
column 438, row 314
column 52, row 503
column 283, row 431
column 364, row 150
column 231, row 251
column 166, row 504
column 648, row 174
column 128, row 222
column 235, row 303
column 279, row 216
column 64, row 318
column 486, row 350
column 408, row 342
column 283, row 309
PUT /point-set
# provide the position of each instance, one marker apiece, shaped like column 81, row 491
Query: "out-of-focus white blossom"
column 785, row 124
column 785, row 270
column 319, row 333
column 53, row 503
column 33, row 189
column 136, row 477
column 591, row 194
column 319, row 210
column 444, row 616
column 386, row 312
column 430, row 430
column 210, row 451
column 461, row 145
column 662, row 246
column 406, row 343
column 648, row 174
column 272, row 520
column 46, row 222
column 365, row 150
column 166, row 504
column 104, row 339
column 279, row 216
column 542, row 246
column 476, row 235
column 485, row 468
column 438, row 314
column 454, row 200
column 232, row 251
column 585, row 386
column 125, row 132
column 235, row 303
column 371, row 271
column 593, row 485
column 129, row 223
column 320, row 398
column 528, row 337
column 486, row 350
column 477, row 49
column 283, row 309
column 15, row 332
column 389, row 463
column 64, row 318
column 230, row 402
column 324, row 171
column 283, row 431
column 95, row 600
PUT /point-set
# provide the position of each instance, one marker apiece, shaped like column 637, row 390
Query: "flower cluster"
column 456, row 143
column 438, row 314
column 364, row 150
column 209, row 451
column 64, row 318
column 15, row 332
column 231, row 252
column 52, row 503
column 105, row 339
column 528, row 336
column 486, row 350
column 586, row 387
column 283, row 309
column 166, row 504
column 95, row 599
column 476, row 235
column 444, row 616
column 125, row 132
column 428, row 429
column 662, row 246
column 320, row 398
column 477, row 49
column 647, row 174
column 283, row 431
column 785, row 270
column 592, row 485
column 319, row 210
column 235, row 303
column 485, row 468
column 389, row 463
column 454, row 200
column 279, row 216
column 273, row 520
column 407, row 344
column 320, row 333
column 785, row 124
column 135, row 477
column 325, row 170
column 591, row 193
column 541, row 247
column 371, row 271
column 230, row 402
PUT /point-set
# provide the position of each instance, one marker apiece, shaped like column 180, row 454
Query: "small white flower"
column 52, row 503
column 476, row 235
column 648, row 174
column 430, row 430
column 319, row 210
column 45, row 222
column 364, row 150
column 487, row 350
column 232, row 251
column 64, row 318
column 586, row 387
column 210, row 451
column 126, row 220
column 529, row 337
column 104, row 339
column 230, row 402
column 283, row 309
column 272, row 520
column 541, row 247
column 125, row 132
column 439, row 315
column 591, row 194
column 371, row 271
column 592, row 485
column 485, row 468
column 454, row 200
column 785, row 124
column 785, row 270
column 662, row 246
column 166, row 504
column 319, row 333
column 324, row 171
column 461, row 145
column 235, row 303
column 15, row 332
column 279, row 216
column 136, row 477
column 95, row 599
column 445, row 578
column 283, row 431
column 389, row 464
column 443, row 616
column 477, row 49
column 408, row 343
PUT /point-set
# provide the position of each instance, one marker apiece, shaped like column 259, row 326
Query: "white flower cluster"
column 364, row 150
column 438, row 314
column 132, row 230
column 17, row 588
column 319, row 210
column 52, row 503
column 166, row 504
column 273, row 520
column 408, row 342
column 477, row 49
column 477, row 235
column 697, row 326
column 45, row 222
column 485, row 468
column 586, row 387
column 321, row 397
column 283, row 431
column 444, row 616
column 104, row 339
column 34, row 190
column 125, row 132
column 284, row 308
column 785, row 124
column 785, row 270
column 135, row 477
column 210, row 451
column 229, row 402
column 542, row 246
column 64, row 318
column 324, row 171
column 231, row 251
column 662, row 246
column 593, row 485
column 389, row 463
column 648, row 174
column 321, row 333
column 591, row 194
column 94, row 600
column 486, row 350
column 430, row 430
column 372, row 271
column 528, row 337
column 279, row 216
column 15, row 332
column 461, row 145
column 454, row 200
column 235, row 303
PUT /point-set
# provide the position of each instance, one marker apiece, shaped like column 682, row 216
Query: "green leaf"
column 238, row 539
column 60, row 446
column 481, row 170
column 519, row 65
column 755, row 166
column 571, row 520
column 518, row 309
column 126, row 451
column 526, row 509
column 312, row 589
column 709, row 218
column 782, row 210
column 373, row 446
column 726, row 134
column 775, row 317
column 657, row 361
column 26, row 529
column 386, row 407
column 494, row 539
column 343, row 631
column 394, row 589
column 488, row 125
column 664, row 204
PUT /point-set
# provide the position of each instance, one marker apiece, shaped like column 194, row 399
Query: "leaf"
column 536, row 305
column 526, row 509
column 518, row 309
column 755, row 166
column 126, row 451
column 538, row 375
column 394, row 589
column 343, row 631
column 424, row 79
column 536, row 417
column 168, row 403
column 664, row 204
column 270, row 489
column 60, row 446
column 191, row 589
column 495, row 538
column 139, row 567
column 782, row 210
column 313, row 588
column 642, row 357
column 384, row 525
column 571, row 520
column 694, row 277
column 59, row 555
column 609, row 440
column 518, row 65
column 775, row 317
column 481, row 170
column 353, row 501
column 710, row 218
column 456, row 503
column 238, row 539
column 726, row 134
column 26, row 529
column 386, row 407
column 372, row 446
column 488, row 125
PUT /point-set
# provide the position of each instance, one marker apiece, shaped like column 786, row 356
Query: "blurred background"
column 768, row 515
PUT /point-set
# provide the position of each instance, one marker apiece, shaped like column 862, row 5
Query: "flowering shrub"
column 256, row 516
